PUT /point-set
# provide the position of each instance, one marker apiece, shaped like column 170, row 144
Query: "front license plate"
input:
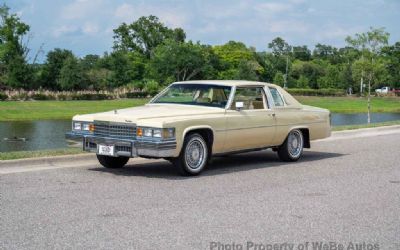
column 105, row 150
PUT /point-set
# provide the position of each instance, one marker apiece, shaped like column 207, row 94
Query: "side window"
column 252, row 98
column 276, row 97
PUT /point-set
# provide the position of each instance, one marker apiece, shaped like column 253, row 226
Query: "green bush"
column 63, row 97
column 42, row 97
column 137, row 94
column 91, row 97
column 317, row 92
column 19, row 97
column 3, row 97
column 152, row 87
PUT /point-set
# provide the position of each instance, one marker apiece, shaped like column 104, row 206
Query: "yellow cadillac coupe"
column 189, row 122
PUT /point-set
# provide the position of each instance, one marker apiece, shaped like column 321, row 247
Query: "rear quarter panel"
column 316, row 120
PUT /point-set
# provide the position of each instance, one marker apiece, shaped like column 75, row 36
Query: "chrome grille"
column 123, row 148
column 115, row 130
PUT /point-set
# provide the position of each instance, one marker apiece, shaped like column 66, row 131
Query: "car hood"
column 149, row 111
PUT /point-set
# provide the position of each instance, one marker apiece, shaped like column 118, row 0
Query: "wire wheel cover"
column 295, row 143
column 195, row 153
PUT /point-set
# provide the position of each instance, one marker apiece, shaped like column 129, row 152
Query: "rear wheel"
column 112, row 162
column 292, row 148
column 194, row 155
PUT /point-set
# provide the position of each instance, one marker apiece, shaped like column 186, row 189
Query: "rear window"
column 276, row 96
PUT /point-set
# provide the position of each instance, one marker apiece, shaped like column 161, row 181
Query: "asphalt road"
column 345, row 190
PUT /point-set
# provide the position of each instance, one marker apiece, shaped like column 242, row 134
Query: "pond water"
column 38, row 134
column 339, row 119
column 50, row 134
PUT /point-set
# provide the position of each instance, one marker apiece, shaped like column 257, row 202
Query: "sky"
column 86, row 26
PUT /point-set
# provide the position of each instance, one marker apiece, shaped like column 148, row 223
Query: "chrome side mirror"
column 239, row 105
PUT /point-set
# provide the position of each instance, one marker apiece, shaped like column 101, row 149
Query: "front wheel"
column 194, row 155
column 112, row 162
column 292, row 148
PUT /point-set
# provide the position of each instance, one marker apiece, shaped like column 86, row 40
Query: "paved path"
column 345, row 190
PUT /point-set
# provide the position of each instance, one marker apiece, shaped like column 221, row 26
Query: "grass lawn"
column 39, row 153
column 372, row 125
column 352, row 104
column 48, row 110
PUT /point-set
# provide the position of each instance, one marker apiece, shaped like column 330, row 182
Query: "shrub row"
column 86, row 95
column 317, row 92
column 68, row 96
column 3, row 97
column 137, row 95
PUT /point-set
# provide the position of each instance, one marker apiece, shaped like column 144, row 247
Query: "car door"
column 284, row 116
column 253, row 125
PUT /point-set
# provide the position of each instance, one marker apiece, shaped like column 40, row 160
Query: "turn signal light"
column 139, row 132
column 91, row 127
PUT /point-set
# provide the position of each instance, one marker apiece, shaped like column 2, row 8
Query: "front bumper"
column 123, row 147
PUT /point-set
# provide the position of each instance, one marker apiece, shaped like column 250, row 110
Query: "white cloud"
column 90, row 28
column 297, row 1
column 124, row 12
column 274, row 7
column 90, row 23
column 81, row 9
column 171, row 16
column 27, row 9
column 63, row 30
column 286, row 26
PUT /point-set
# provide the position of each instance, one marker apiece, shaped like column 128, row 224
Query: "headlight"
column 83, row 126
column 147, row 132
column 162, row 133
column 77, row 126
column 157, row 132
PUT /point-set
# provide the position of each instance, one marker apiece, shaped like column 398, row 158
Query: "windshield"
column 196, row 94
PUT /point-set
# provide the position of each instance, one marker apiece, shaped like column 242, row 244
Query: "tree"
column 179, row 60
column 312, row 70
column 392, row 55
column 279, row 47
column 302, row 82
column 279, row 79
column 144, row 35
column 71, row 75
column 325, row 52
column 371, row 44
column 14, row 70
column 89, row 62
column 301, row 53
column 52, row 68
column 237, row 61
column 98, row 78
column 331, row 78
column 247, row 70
column 126, row 67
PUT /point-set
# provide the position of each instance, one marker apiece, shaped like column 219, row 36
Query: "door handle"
column 272, row 115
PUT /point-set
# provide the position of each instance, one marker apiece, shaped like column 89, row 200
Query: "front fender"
column 186, row 130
